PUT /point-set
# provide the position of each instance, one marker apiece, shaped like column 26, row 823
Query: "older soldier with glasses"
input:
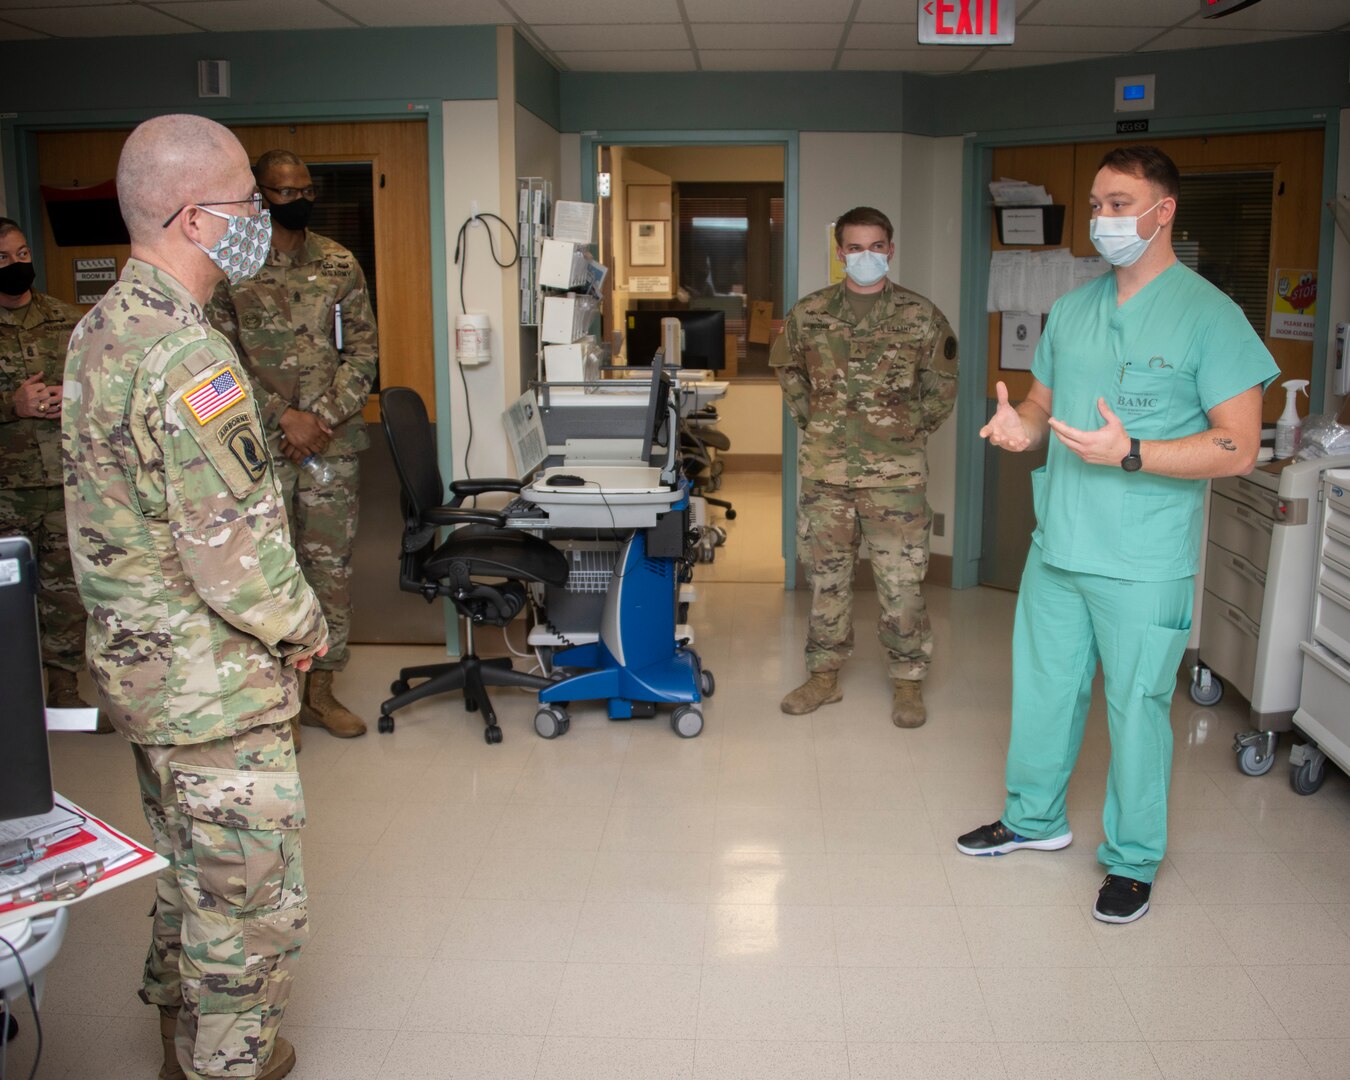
column 199, row 615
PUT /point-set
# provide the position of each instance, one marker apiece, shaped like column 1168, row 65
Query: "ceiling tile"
column 1010, row 58
column 888, row 11
column 589, row 38
column 10, row 5
column 1306, row 15
column 1207, row 36
column 1099, row 13
column 933, row 59
column 767, row 59
column 104, row 21
column 424, row 12
column 768, row 11
column 226, row 15
column 768, row 36
column 655, row 60
column 595, row 11
column 1081, row 38
column 892, row 36
column 10, row 32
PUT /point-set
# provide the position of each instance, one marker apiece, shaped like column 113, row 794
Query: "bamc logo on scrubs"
column 1124, row 402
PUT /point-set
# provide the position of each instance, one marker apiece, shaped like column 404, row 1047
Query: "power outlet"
column 939, row 524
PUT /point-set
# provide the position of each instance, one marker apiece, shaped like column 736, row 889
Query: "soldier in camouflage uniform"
column 868, row 371
column 311, row 389
column 34, row 329
column 199, row 616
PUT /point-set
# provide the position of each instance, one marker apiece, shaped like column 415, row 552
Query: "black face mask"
column 292, row 215
column 16, row 278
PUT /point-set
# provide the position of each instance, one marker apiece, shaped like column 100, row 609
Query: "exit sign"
column 966, row 22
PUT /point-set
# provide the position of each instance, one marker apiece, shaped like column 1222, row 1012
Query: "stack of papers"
column 1018, row 193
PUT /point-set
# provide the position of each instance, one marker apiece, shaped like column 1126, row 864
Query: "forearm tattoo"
column 1226, row 444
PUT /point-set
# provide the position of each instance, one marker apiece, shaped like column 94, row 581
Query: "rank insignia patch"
column 214, row 396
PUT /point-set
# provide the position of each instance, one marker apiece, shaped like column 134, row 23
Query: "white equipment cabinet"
column 1324, row 708
column 1263, row 534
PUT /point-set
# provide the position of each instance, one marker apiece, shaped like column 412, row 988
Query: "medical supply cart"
column 1258, row 590
column 1323, row 713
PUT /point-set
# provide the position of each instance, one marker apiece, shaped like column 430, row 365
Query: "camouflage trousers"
column 40, row 515
column 323, row 527
column 895, row 523
column 231, row 911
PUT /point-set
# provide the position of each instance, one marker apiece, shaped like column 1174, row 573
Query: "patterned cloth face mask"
column 241, row 252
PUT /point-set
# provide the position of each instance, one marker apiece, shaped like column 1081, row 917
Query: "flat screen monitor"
column 704, row 337
column 25, row 769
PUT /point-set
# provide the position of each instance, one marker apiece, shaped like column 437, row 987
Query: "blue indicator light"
column 1134, row 92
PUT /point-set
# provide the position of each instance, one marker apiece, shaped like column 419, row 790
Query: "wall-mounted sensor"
column 1134, row 93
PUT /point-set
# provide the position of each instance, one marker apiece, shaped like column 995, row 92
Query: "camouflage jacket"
column 32, row 344
column 281, row 324
column 866, row 394
column 178, row 533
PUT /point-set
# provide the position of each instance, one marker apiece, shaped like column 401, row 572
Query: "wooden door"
column 397, row 152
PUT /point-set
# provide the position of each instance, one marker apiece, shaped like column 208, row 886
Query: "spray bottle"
column 1288, row 427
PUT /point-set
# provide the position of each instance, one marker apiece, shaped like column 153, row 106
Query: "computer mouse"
column 565, row 480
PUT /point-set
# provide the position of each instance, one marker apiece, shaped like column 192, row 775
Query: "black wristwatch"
column 1132, row 462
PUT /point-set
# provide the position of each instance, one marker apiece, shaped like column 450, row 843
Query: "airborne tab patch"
column 214, row 396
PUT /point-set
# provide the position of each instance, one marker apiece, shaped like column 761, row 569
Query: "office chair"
column 704, row 471
column 479, row 548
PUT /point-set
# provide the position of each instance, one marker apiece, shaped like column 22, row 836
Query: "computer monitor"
column 704, row 337
column 25, row 769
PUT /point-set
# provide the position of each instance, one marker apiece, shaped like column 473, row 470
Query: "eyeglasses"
column 256, row 200
column 289, row 193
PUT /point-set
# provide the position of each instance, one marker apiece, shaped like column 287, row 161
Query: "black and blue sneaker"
column 1121, row 899
column 998, row 839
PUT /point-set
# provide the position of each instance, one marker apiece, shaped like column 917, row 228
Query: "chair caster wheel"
column 492, row 734
column 731, row 515
column 470, row 705
column 398, row 686
column 386, row 725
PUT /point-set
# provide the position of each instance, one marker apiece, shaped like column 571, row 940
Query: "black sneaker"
column 998, row 839
column 1121, row 899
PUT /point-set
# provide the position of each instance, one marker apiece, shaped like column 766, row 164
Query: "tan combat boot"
column 281, row 1062
column 907, row 709
column 321, row 709
column 168, row 1025
column 822, row 688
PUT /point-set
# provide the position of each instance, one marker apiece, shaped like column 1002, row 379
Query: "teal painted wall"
column 537, row 84
column 90, row 75
column 1268, row 77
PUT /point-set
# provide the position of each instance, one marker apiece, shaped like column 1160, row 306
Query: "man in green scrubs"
column 1151, row 381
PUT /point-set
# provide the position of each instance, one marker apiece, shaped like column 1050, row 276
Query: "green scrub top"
column 1162, row 360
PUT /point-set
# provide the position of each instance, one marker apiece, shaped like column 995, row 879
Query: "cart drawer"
column 1234, row 579
column 1242, row 490
column 1238, row 528
column 1331, row 611
column 1322, row 697
column 1228, row 643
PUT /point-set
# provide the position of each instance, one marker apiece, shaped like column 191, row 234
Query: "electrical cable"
column 32, row 1004
column 462, row 261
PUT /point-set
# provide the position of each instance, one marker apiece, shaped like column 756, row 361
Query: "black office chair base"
column 471, row 674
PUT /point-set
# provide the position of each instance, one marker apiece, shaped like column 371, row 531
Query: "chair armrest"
column 468, row 488
column 460, row 515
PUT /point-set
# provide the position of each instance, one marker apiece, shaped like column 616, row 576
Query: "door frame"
column 976, row 225
column 790, row 142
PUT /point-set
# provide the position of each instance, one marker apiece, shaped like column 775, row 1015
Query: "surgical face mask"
column 866, row 267
column 293, row 215
column 16, row 278
column 1118, row 239
column 241, row 252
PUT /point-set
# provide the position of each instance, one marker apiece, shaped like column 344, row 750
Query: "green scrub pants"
column 1065, row 623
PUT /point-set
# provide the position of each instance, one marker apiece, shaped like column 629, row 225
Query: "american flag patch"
column 214, row 396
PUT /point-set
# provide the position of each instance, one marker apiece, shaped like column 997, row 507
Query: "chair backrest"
column 413, row 448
